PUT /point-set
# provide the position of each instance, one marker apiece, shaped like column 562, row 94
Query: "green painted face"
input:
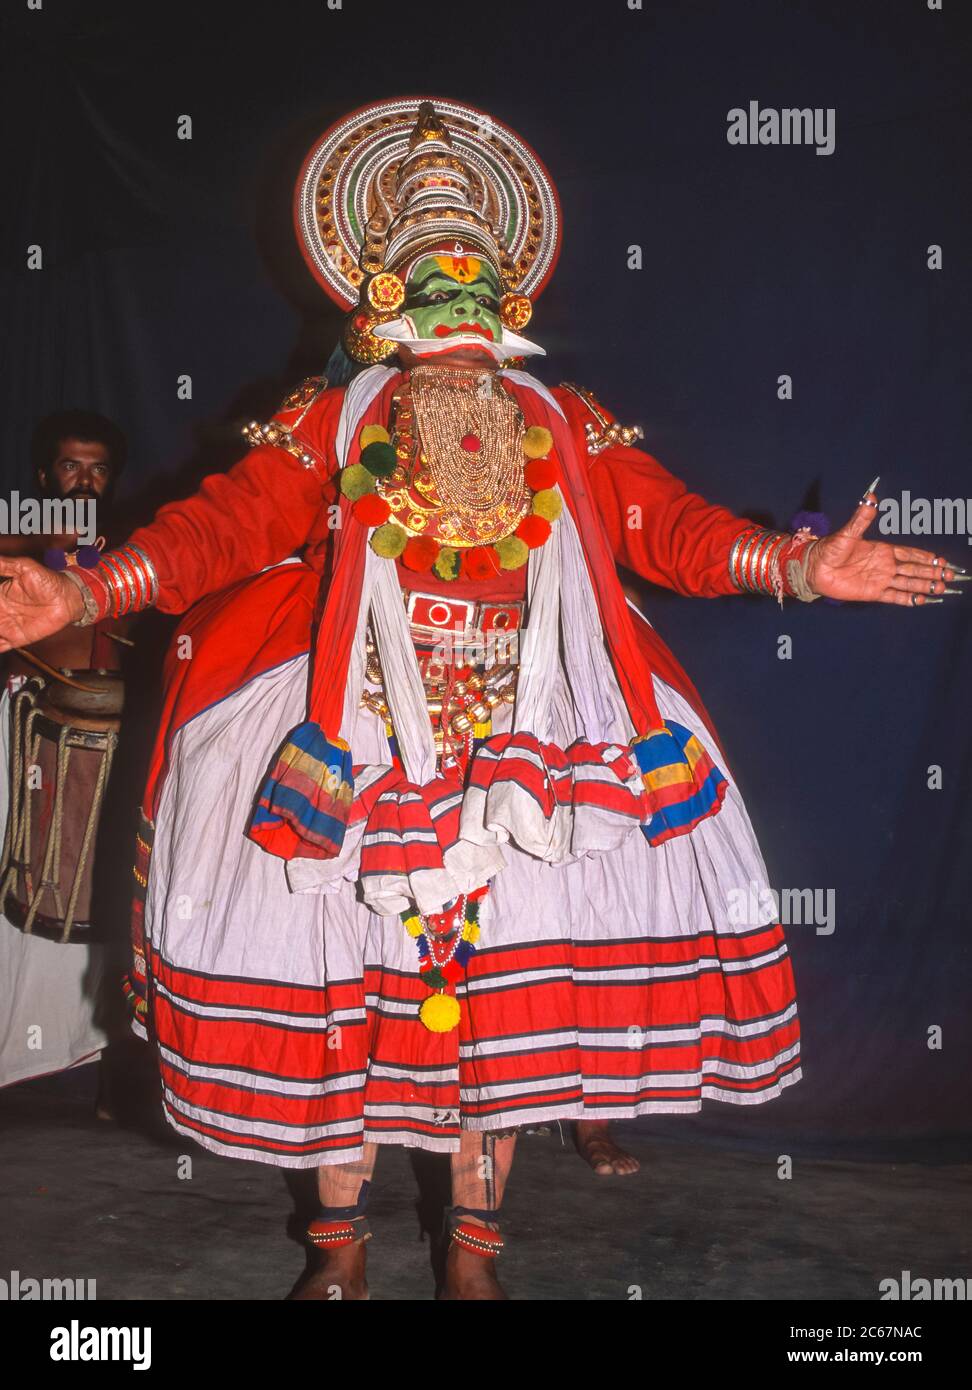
column 448, row 294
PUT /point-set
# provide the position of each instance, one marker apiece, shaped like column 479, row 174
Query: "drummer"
column 51, row 1014
column 77, row 455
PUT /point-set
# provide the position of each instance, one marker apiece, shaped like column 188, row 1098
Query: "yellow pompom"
column 413, row 925
column 483, row 730
column 537, row 442
column 547, row 504
column 389, row 540
column 470, row 933
column 356, row 481
column 512, row 552
column 440, row 1013
column 373, row 434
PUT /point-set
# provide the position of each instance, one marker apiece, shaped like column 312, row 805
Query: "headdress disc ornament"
column 400, row 176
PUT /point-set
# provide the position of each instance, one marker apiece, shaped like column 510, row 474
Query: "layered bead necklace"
column 459, row 487
column 472, row 436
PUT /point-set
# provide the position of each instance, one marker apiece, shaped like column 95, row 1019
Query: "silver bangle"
column 90, row 614
column 149, row 572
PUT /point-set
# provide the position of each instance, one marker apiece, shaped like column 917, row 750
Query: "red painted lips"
column 443, row 330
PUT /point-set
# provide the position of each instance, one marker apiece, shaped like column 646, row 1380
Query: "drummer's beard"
column 93, row 511
column 101, row 502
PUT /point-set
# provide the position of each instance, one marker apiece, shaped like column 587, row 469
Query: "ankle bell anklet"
column 479, row 1239
column 333, row 1234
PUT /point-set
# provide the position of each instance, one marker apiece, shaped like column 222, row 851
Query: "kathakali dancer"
column 438, row 840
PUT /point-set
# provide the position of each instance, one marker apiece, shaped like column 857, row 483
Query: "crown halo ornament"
column 394, row 179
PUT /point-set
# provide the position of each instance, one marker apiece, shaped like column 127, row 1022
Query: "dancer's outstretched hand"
column 843, row 565
column 34, row 602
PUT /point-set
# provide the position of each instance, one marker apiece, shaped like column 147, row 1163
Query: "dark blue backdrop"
column 164, row 257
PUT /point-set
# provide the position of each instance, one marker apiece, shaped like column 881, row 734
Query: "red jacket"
column 272, row 504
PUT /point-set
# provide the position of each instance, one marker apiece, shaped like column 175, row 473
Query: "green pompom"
column 512, row 552
column 389, row 540
column 447, row 563
column 380, row 459
column 356, row 481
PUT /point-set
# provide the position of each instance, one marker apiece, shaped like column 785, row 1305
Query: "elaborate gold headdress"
column 410, row 174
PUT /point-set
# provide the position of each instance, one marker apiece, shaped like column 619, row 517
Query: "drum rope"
column 18, row 820
column 53, row 847
column 94, row 814
column 32, row 745
column 18, row 836
column 10, row 829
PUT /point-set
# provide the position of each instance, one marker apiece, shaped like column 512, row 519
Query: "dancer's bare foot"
column 334, row 1275
column 596, row 1147
column 470, row 1276
column 103, row 1106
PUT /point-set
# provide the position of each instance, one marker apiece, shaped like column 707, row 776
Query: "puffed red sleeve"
column 655, row 525
column 255, row 515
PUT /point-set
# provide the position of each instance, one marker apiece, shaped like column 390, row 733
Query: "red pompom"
column 471, row 443
column 371, row 510
column 535, row 530
column 541, row 473
column 420, row 552
column 480, row 563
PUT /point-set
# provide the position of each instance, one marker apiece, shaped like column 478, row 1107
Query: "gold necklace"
column 471, row 434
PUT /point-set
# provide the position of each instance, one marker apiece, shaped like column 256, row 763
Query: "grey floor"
column 85, row 1198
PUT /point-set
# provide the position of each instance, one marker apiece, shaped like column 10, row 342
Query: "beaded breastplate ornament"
column 458, row 440
column 458, row 487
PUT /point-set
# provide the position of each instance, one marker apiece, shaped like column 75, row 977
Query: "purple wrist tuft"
column 818, row 522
